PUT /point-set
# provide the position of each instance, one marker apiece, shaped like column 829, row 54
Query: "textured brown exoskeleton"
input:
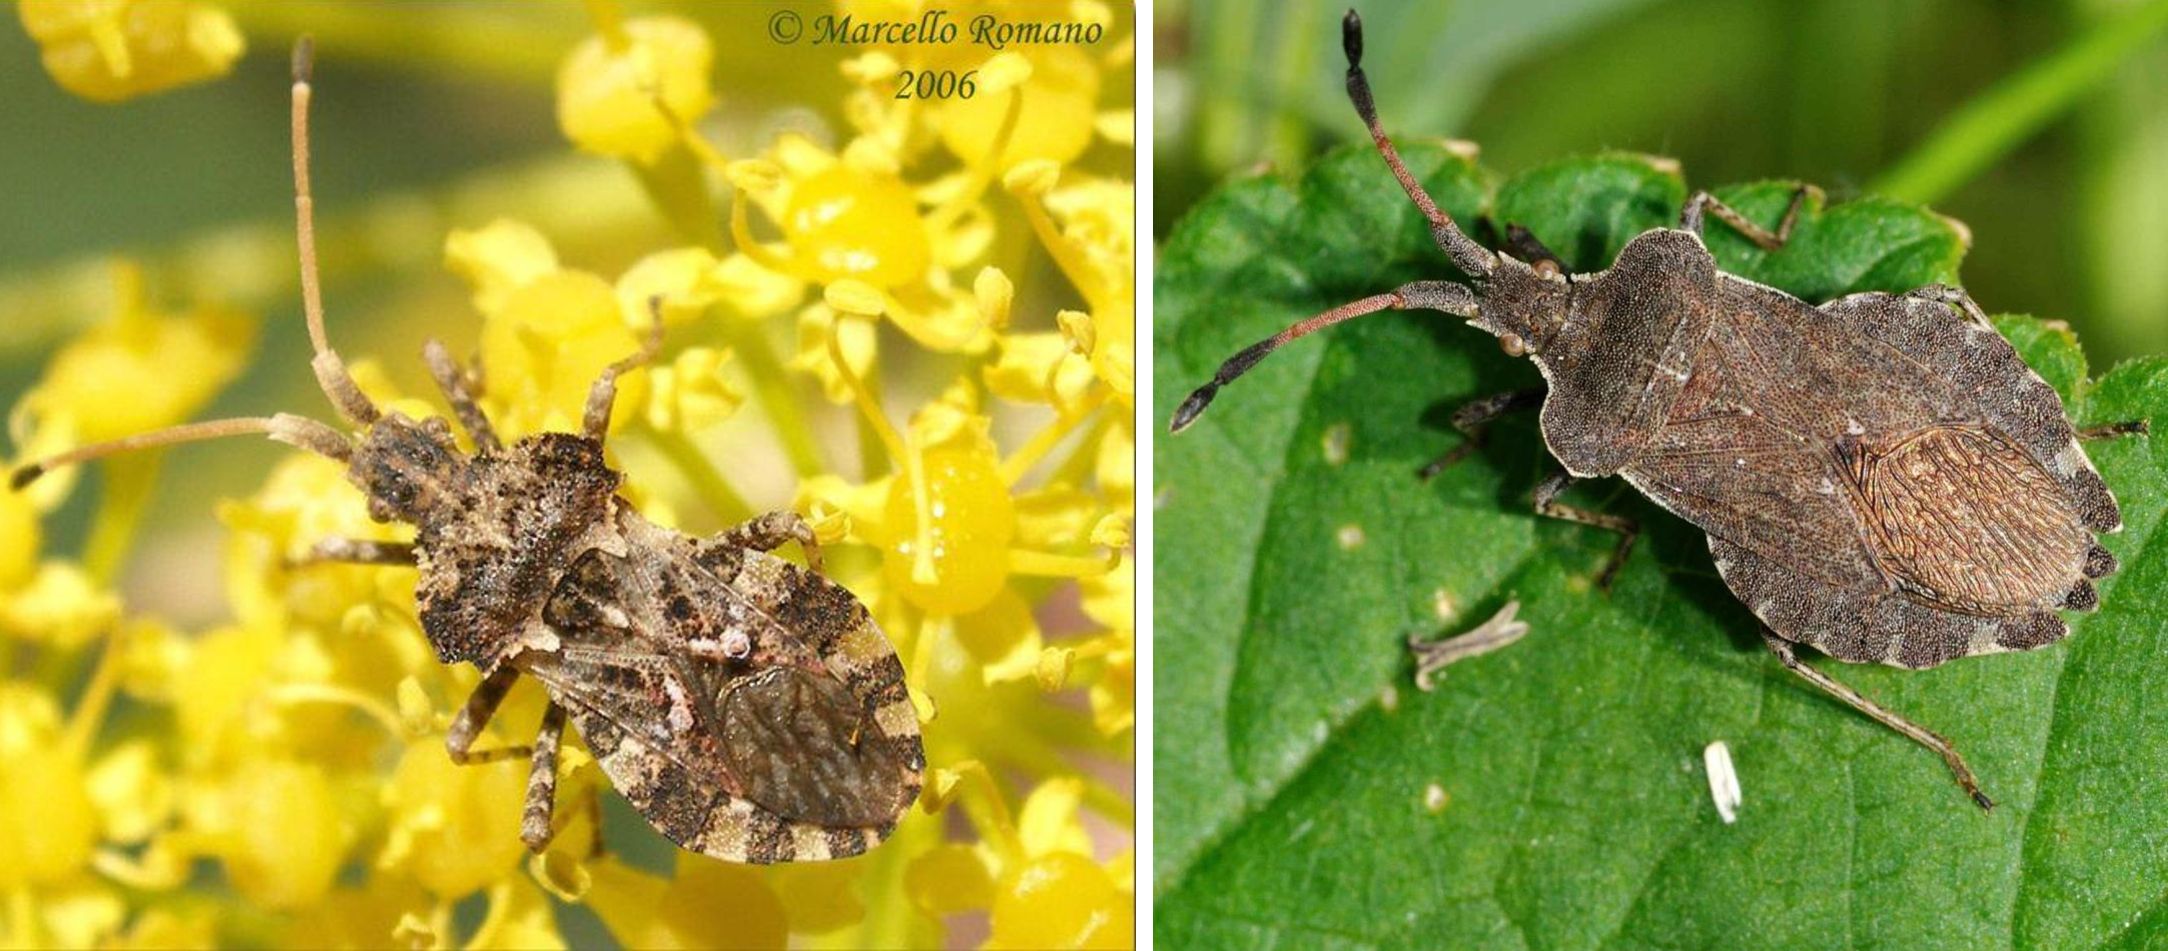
column 749, row 708
column 1880, row 477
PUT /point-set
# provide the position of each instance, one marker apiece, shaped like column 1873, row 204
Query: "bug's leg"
column 1523, row 243
column 1473, row 419
column 1432, row 656
column 1420, row 295
column 1918, row 734
column 454, row 382
column 468, row 723
column 2128, row 427
column 1546, row 498
column 1472, row 258
column 358, row 551
column 603, row 394
column 535, row 818
column 769, row 532
column 593, row 799
column 1690, row 219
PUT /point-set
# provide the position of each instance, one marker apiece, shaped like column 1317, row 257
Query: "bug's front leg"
column 535, row 820
column 1546, row 499
column 468, row 723
column 1473, row 418
column 1853, row 698
column 1690, row 219
column 769, row 532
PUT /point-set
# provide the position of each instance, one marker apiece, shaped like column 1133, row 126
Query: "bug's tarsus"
column 298, row 431
column 1473, row 419
column 1443, row 296
column 604, row 393
column 1472, row 258
column 473, row 716
column 770, row 531
column 1432, row 656
column 453, row 381
column 1690, row 219
column 1857, row 701
column 1547, row 504
column 2128, row 427
column 536, row 826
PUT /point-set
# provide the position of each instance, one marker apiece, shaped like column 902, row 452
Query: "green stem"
column 707, row 481
column 777, row 400
column 128, row 484
column 1997, row 120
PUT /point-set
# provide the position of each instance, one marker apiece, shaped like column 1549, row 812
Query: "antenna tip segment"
column 24, row 475
column 1193, row 407
column 304, row 59
column 1351, row 38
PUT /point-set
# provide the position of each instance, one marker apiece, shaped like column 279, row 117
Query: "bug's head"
column 1523, row 305
column 405, row 466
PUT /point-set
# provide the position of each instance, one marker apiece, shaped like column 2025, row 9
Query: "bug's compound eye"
column 1513, row 345
column 1547, row 269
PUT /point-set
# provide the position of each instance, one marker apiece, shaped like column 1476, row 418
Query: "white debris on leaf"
column 1723, row 781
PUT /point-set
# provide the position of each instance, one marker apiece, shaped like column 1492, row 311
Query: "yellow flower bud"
column 1060, row 900
column 854, row 337
column 48, row 823
column 19, row 539
column 950, row 879
column 134, row 798
column 612, row 90
column 844, row 221
column 117, row 378
column 994, row 293
column 691, row 393
column 110, row 50
column 1060, row 96
column 547, row 344
column 678, row 276
column 60, row 606
column 497, row 259
column 284, row 837
column 456, row 828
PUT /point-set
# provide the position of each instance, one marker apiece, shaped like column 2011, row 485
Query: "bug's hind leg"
column 1546, row 499
column 769, row 532
column 468, row 723
column 1853, row 698
column 535, row 826
column 460, row 390
column 2129, row 427
column 1690, row 219
column 603, row 395
column 1473, row 418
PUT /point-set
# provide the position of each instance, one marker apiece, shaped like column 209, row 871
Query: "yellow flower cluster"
column 957, row 277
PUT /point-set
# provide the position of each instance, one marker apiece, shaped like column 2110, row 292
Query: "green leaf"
column 1297, row 550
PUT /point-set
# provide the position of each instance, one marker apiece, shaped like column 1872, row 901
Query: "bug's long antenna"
column 330, row 370
column 286, row 428
column 1423, row 295
column 1470, row 257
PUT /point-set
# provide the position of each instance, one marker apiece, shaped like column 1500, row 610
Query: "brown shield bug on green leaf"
column 747, row 707
column 1880, row 477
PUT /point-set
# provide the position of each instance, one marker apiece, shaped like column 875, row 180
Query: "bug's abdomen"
column 1964, row 518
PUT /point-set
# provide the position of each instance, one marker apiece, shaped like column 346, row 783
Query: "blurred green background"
column 2070, row 221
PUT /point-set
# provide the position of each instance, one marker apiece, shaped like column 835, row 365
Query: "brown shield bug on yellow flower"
column 1880, row 477
column 749, row 708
